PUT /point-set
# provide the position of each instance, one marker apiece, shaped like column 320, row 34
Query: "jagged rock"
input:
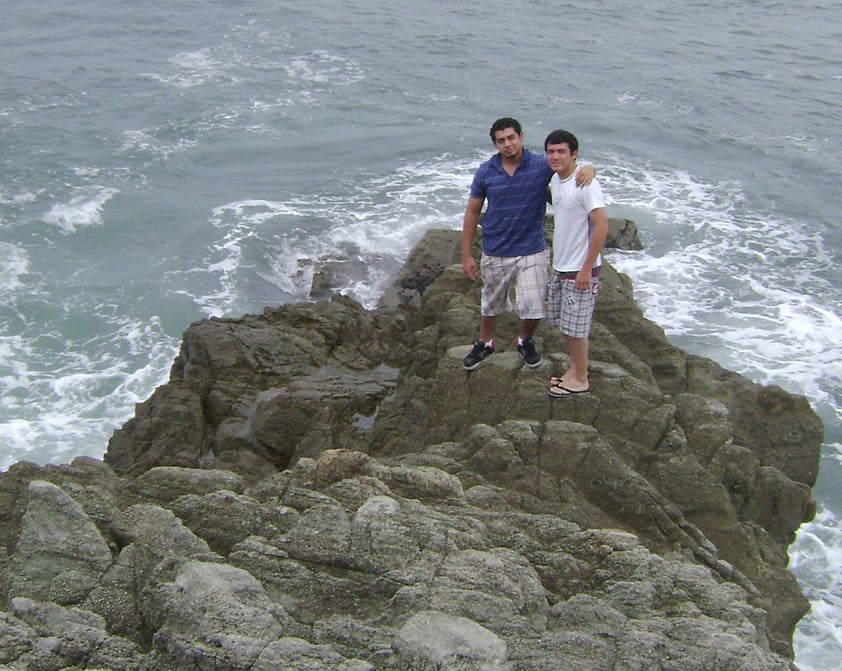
column 324, row 487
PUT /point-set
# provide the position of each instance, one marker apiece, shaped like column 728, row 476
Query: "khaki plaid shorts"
column 526, row 275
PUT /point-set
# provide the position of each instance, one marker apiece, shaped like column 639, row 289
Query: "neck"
column 567, row 173
column 512, row 161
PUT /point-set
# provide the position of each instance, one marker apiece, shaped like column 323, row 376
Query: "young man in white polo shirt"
column 581, row 226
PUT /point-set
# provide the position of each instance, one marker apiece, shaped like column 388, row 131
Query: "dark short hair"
column 562, row 137
column 503, row 124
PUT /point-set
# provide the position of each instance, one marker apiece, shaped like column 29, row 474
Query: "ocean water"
column 162, row 162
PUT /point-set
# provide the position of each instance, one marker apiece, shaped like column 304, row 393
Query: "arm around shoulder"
column 585, row 175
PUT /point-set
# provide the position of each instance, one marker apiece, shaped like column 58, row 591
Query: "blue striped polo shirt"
column 513, row 224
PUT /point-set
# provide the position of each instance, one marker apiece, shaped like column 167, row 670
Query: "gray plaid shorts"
column 571, row 309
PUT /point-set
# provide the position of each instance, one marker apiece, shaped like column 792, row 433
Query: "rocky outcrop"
column 324, row 487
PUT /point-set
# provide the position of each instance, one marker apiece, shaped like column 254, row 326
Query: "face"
column 561, row 159
column 508, row 142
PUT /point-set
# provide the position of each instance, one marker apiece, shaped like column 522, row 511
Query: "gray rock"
column 164, row 484
column 60, row 637
column 209, row 615
column 60, row 554
column 435, row 640
column 293, row 654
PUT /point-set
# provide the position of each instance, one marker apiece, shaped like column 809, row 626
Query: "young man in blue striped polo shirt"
column 514, row 252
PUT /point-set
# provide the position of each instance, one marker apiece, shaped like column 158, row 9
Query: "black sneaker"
column 478, row 354
column 530, row 354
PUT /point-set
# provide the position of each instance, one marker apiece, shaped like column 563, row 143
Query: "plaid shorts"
column 571, row 309
column 527, row 275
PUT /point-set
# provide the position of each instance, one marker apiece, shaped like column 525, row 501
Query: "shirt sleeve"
column 478, row 183
column 592, row 196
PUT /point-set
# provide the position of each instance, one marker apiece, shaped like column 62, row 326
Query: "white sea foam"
column 58, row 397
column 816, row 556
column 14, row 262
column 17, row 198
column 240, row 223
column 192, row 68
column 740, row 283
column 84, row 209
column 321, row 67
column 152, row 142
column 370, row 228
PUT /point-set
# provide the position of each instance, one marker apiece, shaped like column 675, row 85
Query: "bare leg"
column 527, row 327
column 486, row 328
column 575, row 377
